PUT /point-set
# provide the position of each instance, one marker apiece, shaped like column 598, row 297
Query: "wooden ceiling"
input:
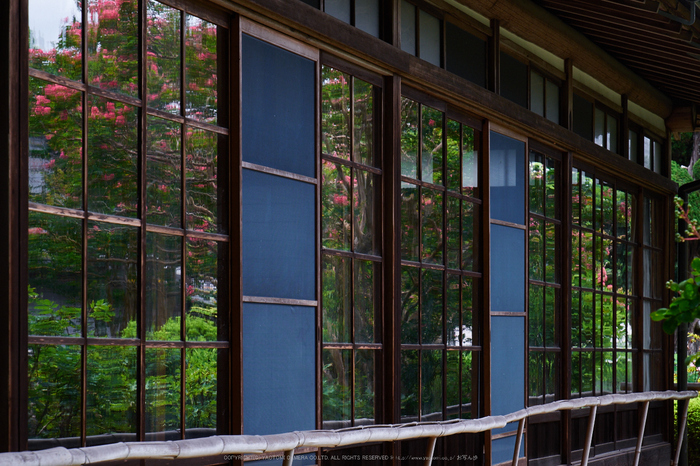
column 661, row 50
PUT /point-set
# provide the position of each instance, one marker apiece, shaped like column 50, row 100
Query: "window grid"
column 603, row 294
column 351, row 251
column 145, row 273
column 439, row 271
column 545, row 285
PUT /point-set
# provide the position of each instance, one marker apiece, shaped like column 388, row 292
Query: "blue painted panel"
column 278, row 237
column 278, row 369
column 503, row 449
column 507, row 269
column 278, row 108
column 507, row 177
column 507, row 366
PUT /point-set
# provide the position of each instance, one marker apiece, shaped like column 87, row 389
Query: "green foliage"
column 692, row 428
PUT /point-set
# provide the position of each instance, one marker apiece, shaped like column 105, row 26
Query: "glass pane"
column 112, row 158
column 363, row 98
column 647, row 153
column 535, row 376
column 551, row 272
column 365, row 219
column 408, row 27
column 201, row 391
column 535, row 313
column 55, row 145
column 468, row 305
column 409, row 304
column 658, row 157
column 54, row 262
column 278, row 237
column 111, row 392
column 551, row 194
column 278, row 108
column 204, row 269
column 112, row 60
column 279, row 363
column 337, row 388
column 410, row 230
column 470, row 236
column 335, row 113
column 576, row 374
column 336, row 222
column 409, row 385
column 514, row 80
column 551, row 324
column 452, row 384
column 536, row 251
column 608, row 369
column 431, row 385
column 163, row 382
column 575, row 197
column 365, row 363
column 338, row 8
column 467, row 367
column 163, row 287
column 337, row 299
column 537, row 183
column 163, row 57
column 453, row 243
column 587, row 260
column 507, row 269
column 432, row 295
column 466, row 54
column 53, row 393
column 552, row 101
column 587, row 320
column 575, row 318
column 586, row 371
column 164, row 172
column 431, row 152
column 453, row 328
column 507, row 179
column 367, row 299
column 430, row 38
column 537, row 93
column 201, row 70
column 453, row 165
column 432, row 226
column 55, row 37
column 633, row 146
column 551, row 377
column 203, row 200
column 576, row 271
column 623, row 379
column 612, row 134
column 409, row 138
column 112, row 280
column 599, row 136
column 583, row 117
column 367, row 16
column 470, row 163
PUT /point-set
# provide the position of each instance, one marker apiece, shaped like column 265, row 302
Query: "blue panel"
column 277, row 108
column 507, row 366
column 502, row 449
column 507, row 269
column 278, row 369
column 507, row 179
column 278, row 237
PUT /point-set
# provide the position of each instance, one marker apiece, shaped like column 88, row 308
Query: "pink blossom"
column 340, row 199
column 121, row 121
column 108, row 177
column 50, row 164
column 37, row 231
column 63, row 155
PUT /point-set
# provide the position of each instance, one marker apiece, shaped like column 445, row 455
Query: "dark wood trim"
column 493, row 61
column 485, row 314
column 623, row 135
column 566, row 112
column 318, row 131
column 565, row 323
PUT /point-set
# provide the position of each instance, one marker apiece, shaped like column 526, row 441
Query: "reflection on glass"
column 163, row 381
column 409, row 308
column 55, row 145
column 470, row 231
column 335, row 113
column 430, row 35
column 470, row 163
column 536, row 250
column 112, row 265
column 408, row 27
column 452, row 175
column 163, row 54
column 551, row 376
column 432, row 215
column 202, row 264
column 337, row 301
column 366, row 298
column 55, row 37
column 111, row 392
column 431, row 151
column 112, row 158
column 164, row 172
column 363, row 100
column 467, row 366
column 467, row 336
column 550, row 318
column 409, row 137
column 337, row 385
column 537, row 183
column 535, row 389
column 201, row 391
column 431, row 385
column 431, row 306
column 367, row 16
column 536, row 337
column 537, row 93
column 336, row 222
column 364, row 217
column 53, row 392
column 453, row 328
column 54, row 262
column 113, row 61
column 409, row 385
column 452, row 384
column 551, row 235
column 338, row 8
column 410, row 231
column 202, row 201
column 453, row 243
column 201, row 70
column 364, row 386
column 163, row 286
column 552, row 104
